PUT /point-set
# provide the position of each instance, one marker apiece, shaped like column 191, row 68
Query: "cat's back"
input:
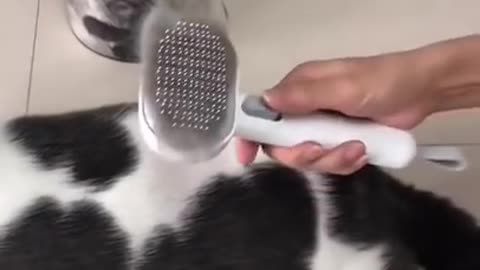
column 81, row 191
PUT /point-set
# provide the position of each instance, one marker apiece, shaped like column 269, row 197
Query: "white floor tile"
column 17, row 29
column 67, row 75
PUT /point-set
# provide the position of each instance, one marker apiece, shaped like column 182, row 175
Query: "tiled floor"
column 66, row 75
column 45, row 69
column 18, row 31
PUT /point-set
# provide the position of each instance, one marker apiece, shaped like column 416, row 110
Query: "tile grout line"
column 32, row 60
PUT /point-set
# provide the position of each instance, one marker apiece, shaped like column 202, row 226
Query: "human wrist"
column 451, row 69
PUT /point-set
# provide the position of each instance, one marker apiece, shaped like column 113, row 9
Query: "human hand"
column 391, row 89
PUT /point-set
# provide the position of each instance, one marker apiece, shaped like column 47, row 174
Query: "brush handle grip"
column 385, row 146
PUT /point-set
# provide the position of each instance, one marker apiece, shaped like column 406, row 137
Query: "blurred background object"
column 111, row 27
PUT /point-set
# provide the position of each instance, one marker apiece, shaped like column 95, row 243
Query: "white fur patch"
column 158, row 191
column 22, row 182
column 332, row 254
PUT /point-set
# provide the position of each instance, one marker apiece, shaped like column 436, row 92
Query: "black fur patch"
column 91, row 143
column 266, row 222
column 373, row 208
column 48, row 237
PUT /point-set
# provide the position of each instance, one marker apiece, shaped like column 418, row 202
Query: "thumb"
column 306, row 96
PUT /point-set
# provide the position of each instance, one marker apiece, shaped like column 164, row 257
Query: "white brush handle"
column 385, row 146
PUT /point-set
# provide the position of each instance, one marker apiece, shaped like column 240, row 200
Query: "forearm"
column 453, row 71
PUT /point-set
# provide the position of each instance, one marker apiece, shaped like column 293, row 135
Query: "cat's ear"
column 105, row 31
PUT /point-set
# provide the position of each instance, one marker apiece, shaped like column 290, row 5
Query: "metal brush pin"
column 187, row 107
column 190, row 107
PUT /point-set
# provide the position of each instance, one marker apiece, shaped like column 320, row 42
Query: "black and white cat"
column 80, row 190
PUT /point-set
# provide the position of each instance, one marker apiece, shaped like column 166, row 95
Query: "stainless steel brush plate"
column 193, row 110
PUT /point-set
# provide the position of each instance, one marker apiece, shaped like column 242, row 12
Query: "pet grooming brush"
column 190, row 106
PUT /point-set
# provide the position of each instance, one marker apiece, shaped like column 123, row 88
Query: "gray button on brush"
column 254, row 106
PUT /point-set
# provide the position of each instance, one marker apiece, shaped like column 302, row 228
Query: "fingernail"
column 354, row 152
column 362, row 161
column 314, row 153
column 267, row 97
column 270, row 95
